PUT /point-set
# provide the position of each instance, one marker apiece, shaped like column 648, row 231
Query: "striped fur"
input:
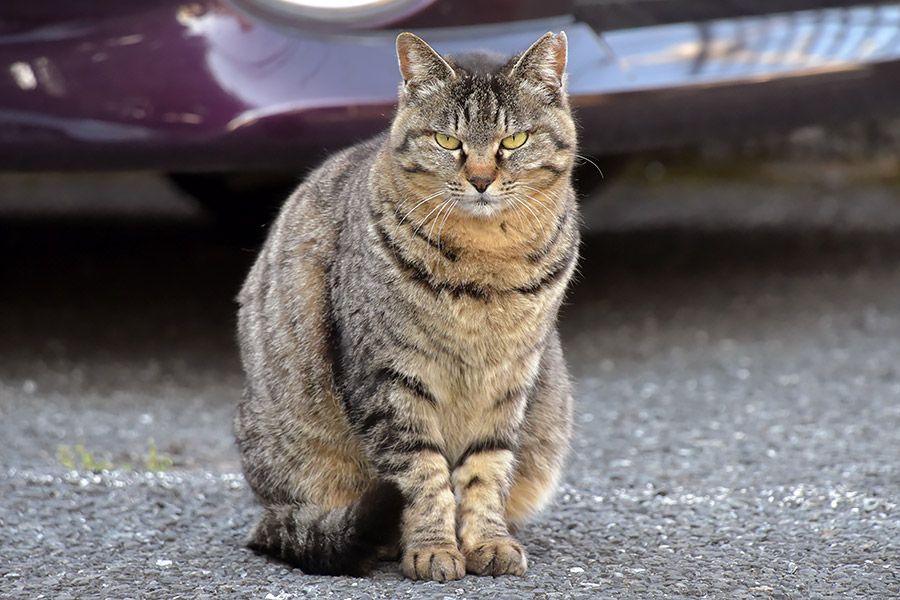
column 405, row 380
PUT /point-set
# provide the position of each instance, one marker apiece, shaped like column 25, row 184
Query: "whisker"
column 441, row 228
column 520, row 217
column 412, row 238
column 407, row 201
column 586, row 159
column 554, row 195
column 420, row 203
column 544, row 193
column 422, row 222
column 536, row 218
column 444, row 205
column 515, row 206
column 547, row 210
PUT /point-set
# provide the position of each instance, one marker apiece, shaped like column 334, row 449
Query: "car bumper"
column 208, row 87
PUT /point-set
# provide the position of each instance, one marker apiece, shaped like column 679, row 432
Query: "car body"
column 245, row 85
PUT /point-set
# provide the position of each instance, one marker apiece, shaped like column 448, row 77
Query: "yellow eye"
column 514, row 141
column 447, row 141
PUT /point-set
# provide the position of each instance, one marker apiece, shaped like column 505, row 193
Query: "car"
column 211, row 90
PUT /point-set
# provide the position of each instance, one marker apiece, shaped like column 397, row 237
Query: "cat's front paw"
column 496, row 557
column 435, row 563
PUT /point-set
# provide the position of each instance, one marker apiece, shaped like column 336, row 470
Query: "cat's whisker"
column 412, row 238
column 420, row 203
column 549, row 212
column 441, row 228
column 588, row 160
column 552, row 194
column 513, row 204
column 444, row 205
column 529, row 209
column 422, row 222
column 544, row 192
column 523, row 218
column 520, row 218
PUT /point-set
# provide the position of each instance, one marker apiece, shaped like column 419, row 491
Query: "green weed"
column 156, row 461
column 79, row 459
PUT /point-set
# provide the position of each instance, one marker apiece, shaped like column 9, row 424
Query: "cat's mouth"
column 482, row 206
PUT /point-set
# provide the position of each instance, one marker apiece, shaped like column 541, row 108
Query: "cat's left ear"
column 420, row 65
column 544, row 64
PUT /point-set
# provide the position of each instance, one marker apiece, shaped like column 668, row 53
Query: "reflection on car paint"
column 204, row 75
column 700, row 53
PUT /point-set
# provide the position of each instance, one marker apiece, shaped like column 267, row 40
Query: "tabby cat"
column 406, row 393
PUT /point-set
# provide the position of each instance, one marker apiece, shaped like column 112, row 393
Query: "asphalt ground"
column 735, row 343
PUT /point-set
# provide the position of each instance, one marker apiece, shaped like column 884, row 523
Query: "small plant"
column 66, row 457
column 78, row 458
column 156, row 461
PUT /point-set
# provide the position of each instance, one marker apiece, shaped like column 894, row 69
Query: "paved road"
column 735, row 344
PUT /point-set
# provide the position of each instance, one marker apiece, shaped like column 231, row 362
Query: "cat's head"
column 491, row 133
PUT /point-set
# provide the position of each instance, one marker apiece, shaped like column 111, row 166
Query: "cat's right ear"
column 420, row 65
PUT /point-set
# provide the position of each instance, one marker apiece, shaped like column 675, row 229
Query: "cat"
column 406, row 392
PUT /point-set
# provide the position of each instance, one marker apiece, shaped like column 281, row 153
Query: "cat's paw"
column 435, row 563
column 496, row 557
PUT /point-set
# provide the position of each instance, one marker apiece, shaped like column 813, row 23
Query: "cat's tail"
column 343, row 541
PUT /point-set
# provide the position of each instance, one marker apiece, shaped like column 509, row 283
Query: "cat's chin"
column 482, row 208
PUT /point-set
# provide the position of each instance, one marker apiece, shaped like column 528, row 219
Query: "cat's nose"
column 481, row 182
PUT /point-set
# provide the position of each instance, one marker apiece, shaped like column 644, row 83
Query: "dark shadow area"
column 117, row 290
column 706, row 258
column 128, row 290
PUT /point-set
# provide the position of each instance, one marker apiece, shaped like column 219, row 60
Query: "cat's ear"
column 544, row 64
column 420, row 65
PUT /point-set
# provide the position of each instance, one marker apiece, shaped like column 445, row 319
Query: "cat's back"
column 302, row 239
column 284, row 314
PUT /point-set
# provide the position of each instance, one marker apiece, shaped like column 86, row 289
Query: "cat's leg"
column 481, row 482
column 406, row 447
column 543, row 440
column 503, row 478
column 428, row 534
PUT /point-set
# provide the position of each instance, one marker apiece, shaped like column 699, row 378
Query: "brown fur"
column 398, row 329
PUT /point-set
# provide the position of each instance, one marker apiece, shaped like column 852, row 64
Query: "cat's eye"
column 447, row 141
column 514, row 141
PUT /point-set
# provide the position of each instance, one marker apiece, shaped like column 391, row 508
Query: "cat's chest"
column 476, row 359
column 473, row 405
column 480, row 333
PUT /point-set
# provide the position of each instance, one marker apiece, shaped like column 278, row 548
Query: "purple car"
column 216, row 86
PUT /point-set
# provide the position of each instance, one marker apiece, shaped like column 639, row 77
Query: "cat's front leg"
column 405, row 446
column 430, row 549
column 481, row 481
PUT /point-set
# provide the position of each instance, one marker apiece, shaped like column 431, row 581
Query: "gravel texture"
column 735, row 345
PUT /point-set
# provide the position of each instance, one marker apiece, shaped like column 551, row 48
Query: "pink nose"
column 481, row 182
